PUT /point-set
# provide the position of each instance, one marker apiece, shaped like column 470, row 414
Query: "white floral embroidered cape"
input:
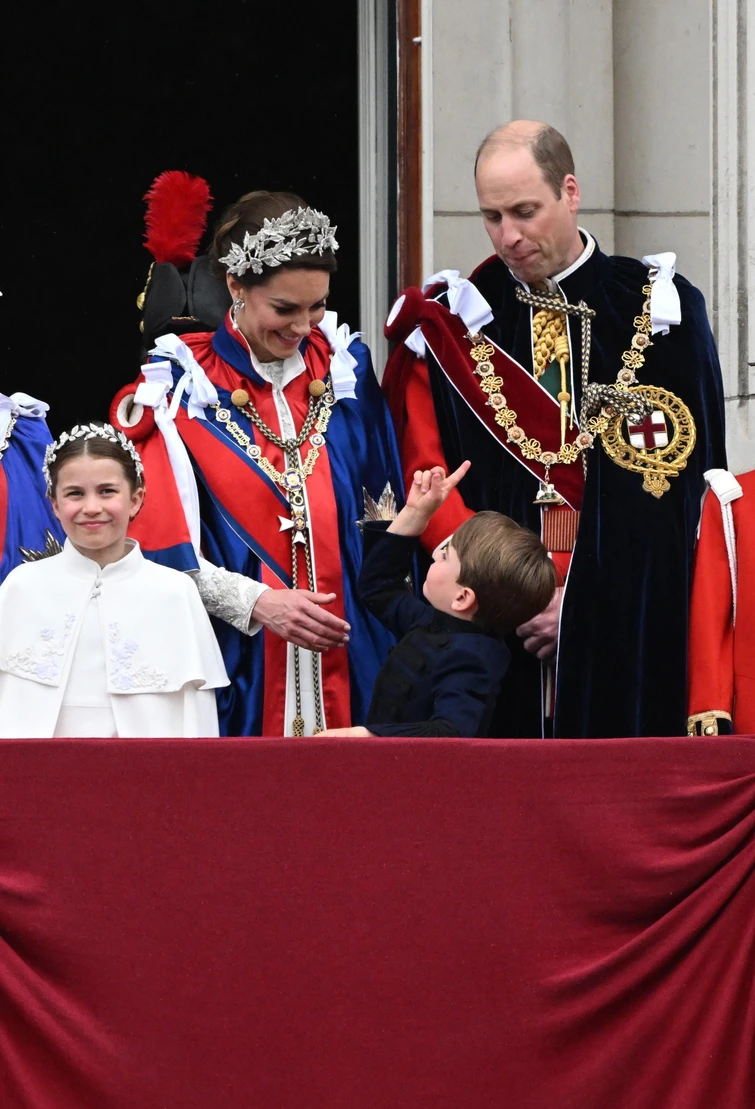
column 156, row 636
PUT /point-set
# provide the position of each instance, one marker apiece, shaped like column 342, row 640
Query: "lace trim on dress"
column 229, row 596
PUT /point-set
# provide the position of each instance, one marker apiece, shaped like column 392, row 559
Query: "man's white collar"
column 552, row 282
column 586, row 253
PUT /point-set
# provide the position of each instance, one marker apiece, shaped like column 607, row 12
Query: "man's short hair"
column 508, row 568
column 550, row 151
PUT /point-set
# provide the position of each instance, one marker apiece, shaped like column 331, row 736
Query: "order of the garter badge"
column 657, row 444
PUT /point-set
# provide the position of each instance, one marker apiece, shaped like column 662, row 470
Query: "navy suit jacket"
column 442, row 678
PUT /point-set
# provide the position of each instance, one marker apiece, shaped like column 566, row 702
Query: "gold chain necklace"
column 293, row 480
column 606, row 409
column 532, row 449
column 626, row 406
column 603, row 406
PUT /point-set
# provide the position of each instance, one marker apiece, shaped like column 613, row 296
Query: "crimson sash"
column 538, row 413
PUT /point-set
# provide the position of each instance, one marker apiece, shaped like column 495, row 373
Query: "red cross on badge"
column 652, row 432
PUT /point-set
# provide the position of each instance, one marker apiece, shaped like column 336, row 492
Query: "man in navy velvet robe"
column 608, row 657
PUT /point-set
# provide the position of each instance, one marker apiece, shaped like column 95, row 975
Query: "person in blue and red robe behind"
column 28, row 527
column 555, row 357
column 269, row 441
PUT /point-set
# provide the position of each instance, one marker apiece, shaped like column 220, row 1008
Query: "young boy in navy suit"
column 442, row 678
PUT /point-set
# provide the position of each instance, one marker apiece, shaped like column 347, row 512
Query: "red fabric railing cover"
column 444, row 924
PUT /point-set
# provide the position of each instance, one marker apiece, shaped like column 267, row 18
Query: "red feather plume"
column 177, row 207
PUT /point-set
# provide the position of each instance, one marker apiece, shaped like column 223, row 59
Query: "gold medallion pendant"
column 658, row 446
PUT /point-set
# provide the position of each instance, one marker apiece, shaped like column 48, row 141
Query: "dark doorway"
column 247, row 95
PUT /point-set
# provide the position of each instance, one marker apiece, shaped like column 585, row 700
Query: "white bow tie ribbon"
column 415, row 340
column 194, row 382
column 19, row 404
column 153, row 393
column 465, row 301
column 342, row 364
column 665, row 306
column 724, row 485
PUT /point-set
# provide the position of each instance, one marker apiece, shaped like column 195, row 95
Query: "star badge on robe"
column 384, row 508
column 297, row 522
column 52, row 547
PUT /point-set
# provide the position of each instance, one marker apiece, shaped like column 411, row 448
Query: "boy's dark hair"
column 508, row 568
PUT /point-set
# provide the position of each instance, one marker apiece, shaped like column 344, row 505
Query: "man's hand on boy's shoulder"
column 540, row 634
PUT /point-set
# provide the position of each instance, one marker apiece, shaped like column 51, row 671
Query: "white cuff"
column 229, row 596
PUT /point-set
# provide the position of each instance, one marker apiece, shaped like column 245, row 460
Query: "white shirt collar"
column 552, row 282
column 84, row 567
column 279, row 373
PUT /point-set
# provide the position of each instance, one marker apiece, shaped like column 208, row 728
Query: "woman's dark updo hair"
column 247, row 215
column 94, row 448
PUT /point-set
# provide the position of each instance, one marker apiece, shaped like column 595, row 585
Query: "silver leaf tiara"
column 280, row 239
column 90, row 431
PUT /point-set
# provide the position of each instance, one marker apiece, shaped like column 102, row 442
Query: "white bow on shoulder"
column 465, row 301
column 665, row 306
column 342, row 364
column 19, row 404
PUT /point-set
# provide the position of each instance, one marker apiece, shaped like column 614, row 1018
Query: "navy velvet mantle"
column 622, row 656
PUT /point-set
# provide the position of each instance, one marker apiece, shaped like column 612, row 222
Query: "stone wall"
column 654, row 100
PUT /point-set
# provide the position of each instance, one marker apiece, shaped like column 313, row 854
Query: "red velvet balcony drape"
column 445, row 924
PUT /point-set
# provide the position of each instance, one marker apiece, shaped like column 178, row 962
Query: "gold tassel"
column 561, row 351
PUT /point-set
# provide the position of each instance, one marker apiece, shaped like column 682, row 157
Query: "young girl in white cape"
column 97, row 641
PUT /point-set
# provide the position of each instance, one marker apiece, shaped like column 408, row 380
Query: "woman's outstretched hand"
column 298, row 616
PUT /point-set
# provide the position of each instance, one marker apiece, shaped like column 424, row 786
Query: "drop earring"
column 236, row 307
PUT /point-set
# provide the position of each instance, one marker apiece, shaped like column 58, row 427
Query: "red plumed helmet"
column 177, row 207
column 181, row 294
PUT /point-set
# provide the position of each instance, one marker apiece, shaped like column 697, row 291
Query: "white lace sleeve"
column 230, row 597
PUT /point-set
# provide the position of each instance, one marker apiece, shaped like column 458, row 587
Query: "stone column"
column 662, row 125
column 495, row 60
column 656, row 101
column 733, row 212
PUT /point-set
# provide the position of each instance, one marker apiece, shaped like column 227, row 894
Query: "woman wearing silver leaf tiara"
column 269, row 439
